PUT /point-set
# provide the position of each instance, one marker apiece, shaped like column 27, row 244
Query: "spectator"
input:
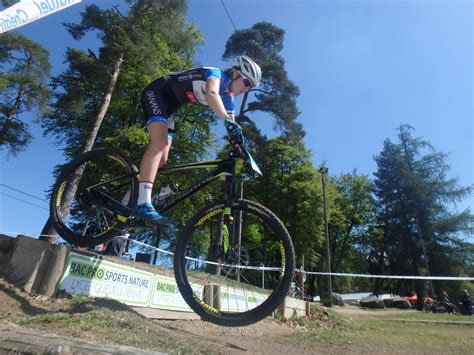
column 466, row 301
column 116, row 246
column 444, row 300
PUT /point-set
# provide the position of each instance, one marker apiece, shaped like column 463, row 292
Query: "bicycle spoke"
column 90, row 195
column 236, row 275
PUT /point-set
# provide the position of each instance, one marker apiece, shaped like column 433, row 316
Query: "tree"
column 151, row 40
column 351, row 220
column 8, row 3
column 24, row 87
column 356, row 215
column 277, row 94
column 413, row 195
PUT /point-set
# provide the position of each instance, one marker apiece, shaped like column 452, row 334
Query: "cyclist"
column 163, row 97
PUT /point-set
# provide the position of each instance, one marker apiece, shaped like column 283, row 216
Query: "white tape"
column 403, row 277
column 203, row 261
column 262, row 268
column 449, row 278
column 27, row 11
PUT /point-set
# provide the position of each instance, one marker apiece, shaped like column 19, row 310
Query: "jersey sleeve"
column 213, row 73
column 228, row 101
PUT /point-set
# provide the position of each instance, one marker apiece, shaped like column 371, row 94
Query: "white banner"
column 96, row 277
column 238, row 301
column 166, row 295
column 99, row 278
column 27, row 11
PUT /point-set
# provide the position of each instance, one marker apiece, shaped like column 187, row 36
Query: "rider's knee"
column 158, row 145
column 163, row 161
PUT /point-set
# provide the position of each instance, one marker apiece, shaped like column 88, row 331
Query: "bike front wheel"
column 93, row 197
column 233, row 266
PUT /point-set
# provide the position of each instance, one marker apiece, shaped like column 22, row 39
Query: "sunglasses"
column 247, row 82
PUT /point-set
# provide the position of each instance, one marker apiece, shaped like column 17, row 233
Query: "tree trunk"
column 48, row 229
column 9, row 118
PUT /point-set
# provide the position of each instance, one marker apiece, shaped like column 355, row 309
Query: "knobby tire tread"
column 63, row 231
column 256, row 314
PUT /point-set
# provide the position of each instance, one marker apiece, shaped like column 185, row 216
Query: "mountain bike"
column 234, row 259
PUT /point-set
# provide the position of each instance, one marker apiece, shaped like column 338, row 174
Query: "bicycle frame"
column 222, row 168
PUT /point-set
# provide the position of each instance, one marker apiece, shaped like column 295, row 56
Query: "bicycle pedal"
column 137, row 223
column 121, row 218
column 140, row 223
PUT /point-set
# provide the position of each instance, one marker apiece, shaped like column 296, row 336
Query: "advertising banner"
column 99, row 278
column 27, row 11
column 236, row 301
column 95, row 277
column 166, row 295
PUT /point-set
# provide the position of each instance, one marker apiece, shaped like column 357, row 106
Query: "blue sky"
column 363, row 68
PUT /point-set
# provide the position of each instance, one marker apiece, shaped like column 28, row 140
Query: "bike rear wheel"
column 228, row 282
column 93, row 197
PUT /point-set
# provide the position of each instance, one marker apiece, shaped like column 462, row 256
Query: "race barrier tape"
column 260, row 268
column 27, row 11
column 402, row 277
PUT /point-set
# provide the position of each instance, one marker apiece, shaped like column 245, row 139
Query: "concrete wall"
column 31, row 264
column 36, row 266
column 294, row 307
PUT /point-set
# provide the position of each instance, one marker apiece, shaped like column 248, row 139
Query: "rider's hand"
column 233, row 130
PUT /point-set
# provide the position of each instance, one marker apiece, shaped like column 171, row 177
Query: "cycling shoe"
column 148, row 213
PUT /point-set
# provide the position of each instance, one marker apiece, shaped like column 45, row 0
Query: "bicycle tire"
column 103, row 162
column 273, row 227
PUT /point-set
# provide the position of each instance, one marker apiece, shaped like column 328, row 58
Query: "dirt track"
column 350, row 330
column 269, row 336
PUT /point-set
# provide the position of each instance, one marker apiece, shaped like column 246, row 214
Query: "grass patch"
column 422, row 337
column 377, row 332
column 106, row 321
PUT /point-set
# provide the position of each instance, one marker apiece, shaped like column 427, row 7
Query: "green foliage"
column 23, row 83
column 414, row 194
column 277, row 94
column 153, row 38
column 290, row 187
column 352, row 215
column 8, row 3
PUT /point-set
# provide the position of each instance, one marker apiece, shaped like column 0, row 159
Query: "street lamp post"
column 324, row 170
column 239, row 228
column 418, row 229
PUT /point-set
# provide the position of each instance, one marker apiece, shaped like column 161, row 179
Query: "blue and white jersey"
column 190, row 86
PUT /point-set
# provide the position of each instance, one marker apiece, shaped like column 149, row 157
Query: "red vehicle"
column 413, row 299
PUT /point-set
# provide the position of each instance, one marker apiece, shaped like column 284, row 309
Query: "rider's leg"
column 155, row 156
column 166, row 151
column 156, row 151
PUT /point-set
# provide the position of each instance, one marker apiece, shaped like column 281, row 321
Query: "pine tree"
column 276, row 94
column 152, row 39
column 24, row 87
column 414, row 194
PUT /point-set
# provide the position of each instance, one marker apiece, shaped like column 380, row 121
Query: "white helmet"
column 248, row 68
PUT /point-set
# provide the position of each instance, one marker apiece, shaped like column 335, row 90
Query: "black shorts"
column 159, row 102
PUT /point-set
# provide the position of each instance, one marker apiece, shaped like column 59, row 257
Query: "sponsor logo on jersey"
column 199, row 90
column 190, row 96
column 200, row 94
column 185, row 77
column 153, row 104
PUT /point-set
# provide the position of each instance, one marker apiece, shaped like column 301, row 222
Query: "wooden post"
column 302, row 279
column 208, row 295
column 212, row 295
column 216, row 290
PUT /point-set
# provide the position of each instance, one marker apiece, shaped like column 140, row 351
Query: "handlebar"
column 238, row 150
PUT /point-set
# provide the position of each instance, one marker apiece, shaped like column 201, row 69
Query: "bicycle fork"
column 230, row 229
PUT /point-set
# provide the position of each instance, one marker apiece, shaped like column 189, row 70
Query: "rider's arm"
column 214, row 100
